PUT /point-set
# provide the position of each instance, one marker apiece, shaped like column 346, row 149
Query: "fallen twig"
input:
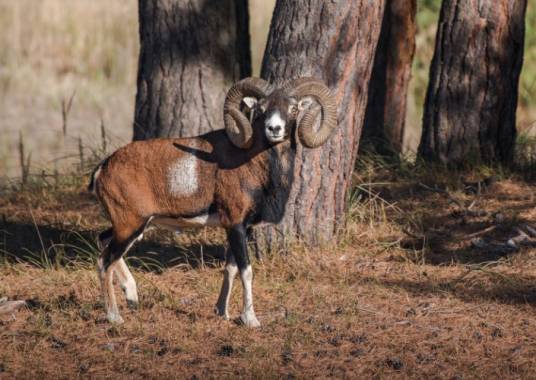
column 481, row 232
column 511, row 245
column 9, row 307
column 530, row 230
column 521, row 238
column 500, row 249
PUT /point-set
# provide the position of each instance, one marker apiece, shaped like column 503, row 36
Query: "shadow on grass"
column 503, row 289
column 57, row 246
column 442, row 233
column 450, row 237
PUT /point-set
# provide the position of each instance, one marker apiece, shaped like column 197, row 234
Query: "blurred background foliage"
column 52, row 49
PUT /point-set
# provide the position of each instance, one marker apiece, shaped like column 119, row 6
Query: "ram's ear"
column 250, row 101
column 305, row 103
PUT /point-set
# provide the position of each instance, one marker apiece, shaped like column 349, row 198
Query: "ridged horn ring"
column 316, row 89
column 237, row 125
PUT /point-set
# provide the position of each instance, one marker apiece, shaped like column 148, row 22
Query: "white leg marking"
column 222, row 306
column 248, row 314
column 127, row 283
column 106, row 278
column 110, row 304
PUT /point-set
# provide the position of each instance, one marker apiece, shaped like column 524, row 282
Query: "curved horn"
column 237, row 125
column 317, row 89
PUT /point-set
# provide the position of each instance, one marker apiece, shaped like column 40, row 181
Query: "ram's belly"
column 175, row 224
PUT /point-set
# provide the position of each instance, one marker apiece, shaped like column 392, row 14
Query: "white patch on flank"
column 182, row 176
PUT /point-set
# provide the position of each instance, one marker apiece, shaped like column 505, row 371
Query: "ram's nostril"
column 276, row 129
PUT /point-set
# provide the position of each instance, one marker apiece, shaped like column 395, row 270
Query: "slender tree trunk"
column 386, row 110
column 191, row 53
column 333, row 41
column 470, row 111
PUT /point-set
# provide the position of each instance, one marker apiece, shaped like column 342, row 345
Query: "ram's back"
column 159, row 177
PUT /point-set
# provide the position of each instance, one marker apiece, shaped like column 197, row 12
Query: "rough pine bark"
column 470, row 110
column 386, row 110
column 333, row 41
column 191, row 52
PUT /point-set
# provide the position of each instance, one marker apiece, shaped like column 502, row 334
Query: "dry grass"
column 380, row 304
column 51, row 49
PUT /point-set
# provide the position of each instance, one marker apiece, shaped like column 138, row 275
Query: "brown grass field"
column 404, row 295
column 420, row 283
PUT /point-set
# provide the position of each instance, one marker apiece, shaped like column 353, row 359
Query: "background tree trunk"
column 470, row 110
column 386, row 110
column 190, row 54
column 333, row 41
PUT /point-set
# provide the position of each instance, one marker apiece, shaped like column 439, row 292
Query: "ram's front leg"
column 238, row 244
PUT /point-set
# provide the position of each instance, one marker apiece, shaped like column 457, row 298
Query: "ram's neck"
column 279, row 162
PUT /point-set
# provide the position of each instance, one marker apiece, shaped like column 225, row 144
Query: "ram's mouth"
column 275, row 137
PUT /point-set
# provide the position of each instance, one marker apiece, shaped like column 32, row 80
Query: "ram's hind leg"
column 105, row 269
column 127, row 283
column 230, row 271
column 124, row 236
column 126, row 280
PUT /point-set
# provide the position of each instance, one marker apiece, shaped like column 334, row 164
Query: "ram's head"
column 277, row 111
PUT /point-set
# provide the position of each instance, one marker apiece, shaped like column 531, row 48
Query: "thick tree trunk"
column 333, row 41
column 386, row 110
column 191, row 53
column 470, row 110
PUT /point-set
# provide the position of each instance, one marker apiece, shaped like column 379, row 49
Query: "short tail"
column 94, row 175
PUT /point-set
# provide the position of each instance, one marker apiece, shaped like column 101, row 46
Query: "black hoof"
column 132, row 305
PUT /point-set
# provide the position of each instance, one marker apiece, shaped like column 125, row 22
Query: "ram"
column 233, row 178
